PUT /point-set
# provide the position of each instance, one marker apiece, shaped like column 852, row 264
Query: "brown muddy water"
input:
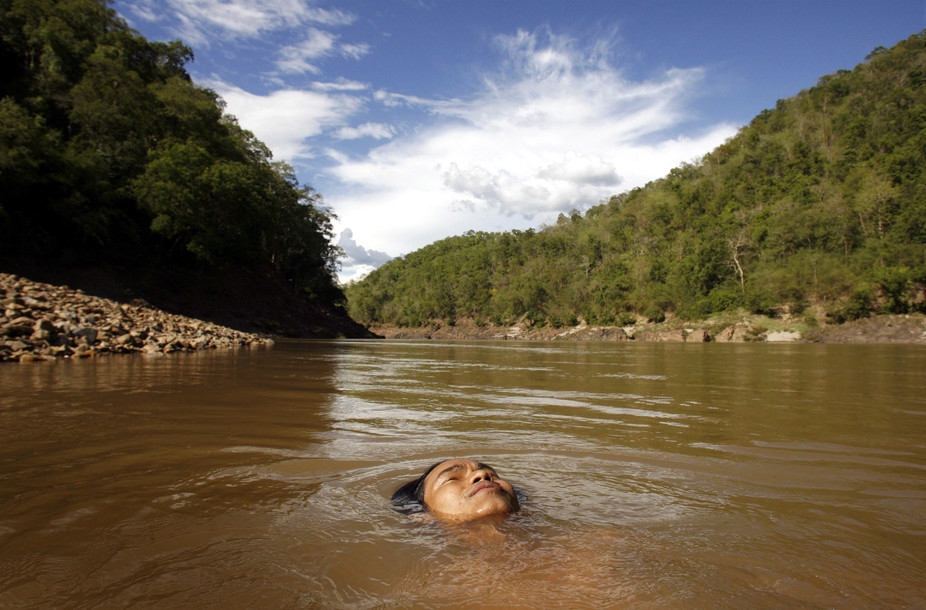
column 651, row 476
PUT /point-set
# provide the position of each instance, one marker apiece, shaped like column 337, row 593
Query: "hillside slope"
column 818, row 203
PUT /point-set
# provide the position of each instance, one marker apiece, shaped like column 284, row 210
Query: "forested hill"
column 117, row 171
column 820, row 201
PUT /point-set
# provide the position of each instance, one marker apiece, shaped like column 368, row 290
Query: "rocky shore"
column 877, row 329
column 43, row 321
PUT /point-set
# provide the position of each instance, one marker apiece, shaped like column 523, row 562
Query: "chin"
column 499, row 506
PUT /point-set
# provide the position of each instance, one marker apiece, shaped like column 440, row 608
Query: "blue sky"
column 421, row 119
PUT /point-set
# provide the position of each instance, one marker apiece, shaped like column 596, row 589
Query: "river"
column 651, row 476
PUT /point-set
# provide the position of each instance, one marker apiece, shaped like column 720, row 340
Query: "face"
column 462, row 489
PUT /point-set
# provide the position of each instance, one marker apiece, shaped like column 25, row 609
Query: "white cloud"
column 582, row 169
column 555, row 129
column 341, row 84
column 255, row 17
column 357, row 254
column 285, row 120
column 354, row 51
column 198, row 21
column 378, row 131
column 351, row 272
column 301, row 58
column 297, row 58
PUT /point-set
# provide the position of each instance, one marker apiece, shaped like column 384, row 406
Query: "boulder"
column 698, row 335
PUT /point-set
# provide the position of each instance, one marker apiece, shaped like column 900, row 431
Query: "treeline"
column 821, row 200
column 109, row 152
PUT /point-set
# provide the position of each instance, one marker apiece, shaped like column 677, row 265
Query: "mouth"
column 483, row 486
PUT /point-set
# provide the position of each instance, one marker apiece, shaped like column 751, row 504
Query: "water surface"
column 653, row 475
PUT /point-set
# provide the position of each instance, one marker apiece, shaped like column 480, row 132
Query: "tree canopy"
column 821, row 200
column 109, row 151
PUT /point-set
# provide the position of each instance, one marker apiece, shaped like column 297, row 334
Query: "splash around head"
column 459, row 489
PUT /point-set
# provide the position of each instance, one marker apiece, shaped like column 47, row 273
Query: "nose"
column 481, row 475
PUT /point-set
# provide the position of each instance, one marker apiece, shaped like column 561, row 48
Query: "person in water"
column 457, row 490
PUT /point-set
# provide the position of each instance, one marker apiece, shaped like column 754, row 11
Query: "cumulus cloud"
column 555, row 127
column 500, row 189
column 357, row 254
column 357, row 261
column 582, row 169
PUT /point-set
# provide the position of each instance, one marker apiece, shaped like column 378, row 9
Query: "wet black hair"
column 409, row 499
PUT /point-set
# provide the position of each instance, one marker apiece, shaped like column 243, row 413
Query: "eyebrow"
column 449, row 470
column 457, row 467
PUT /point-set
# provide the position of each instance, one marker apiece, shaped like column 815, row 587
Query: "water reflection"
column 654, row 476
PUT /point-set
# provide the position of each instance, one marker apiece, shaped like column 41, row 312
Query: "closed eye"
column 449, row 473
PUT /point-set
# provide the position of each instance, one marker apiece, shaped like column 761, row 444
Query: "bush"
column 893, row 283
column 858, row 306
column 626, row 318
column 756, row 333
column 760, row 302
column 810, row 321
column 655, row 315
column 798, row 306
column 860, row 303
column 697, row 310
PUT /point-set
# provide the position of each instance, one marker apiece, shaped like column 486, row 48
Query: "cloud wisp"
column 201, row 21
column 318, row 44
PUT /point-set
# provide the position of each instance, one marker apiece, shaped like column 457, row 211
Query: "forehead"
column 456, row 465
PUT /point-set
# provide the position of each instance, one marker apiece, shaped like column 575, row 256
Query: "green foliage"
column 655, row 315
column 108, row 150
column 819, row 200
column 625, row 318
column 894, row 284
column 859, row 305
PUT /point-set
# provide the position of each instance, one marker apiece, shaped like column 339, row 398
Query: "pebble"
column 43, row 322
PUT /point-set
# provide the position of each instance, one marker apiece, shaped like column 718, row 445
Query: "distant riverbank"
column 877, row 329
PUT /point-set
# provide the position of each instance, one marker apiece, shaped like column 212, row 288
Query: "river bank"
column 40, row 321
column 724, row 329
column 43, row 321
